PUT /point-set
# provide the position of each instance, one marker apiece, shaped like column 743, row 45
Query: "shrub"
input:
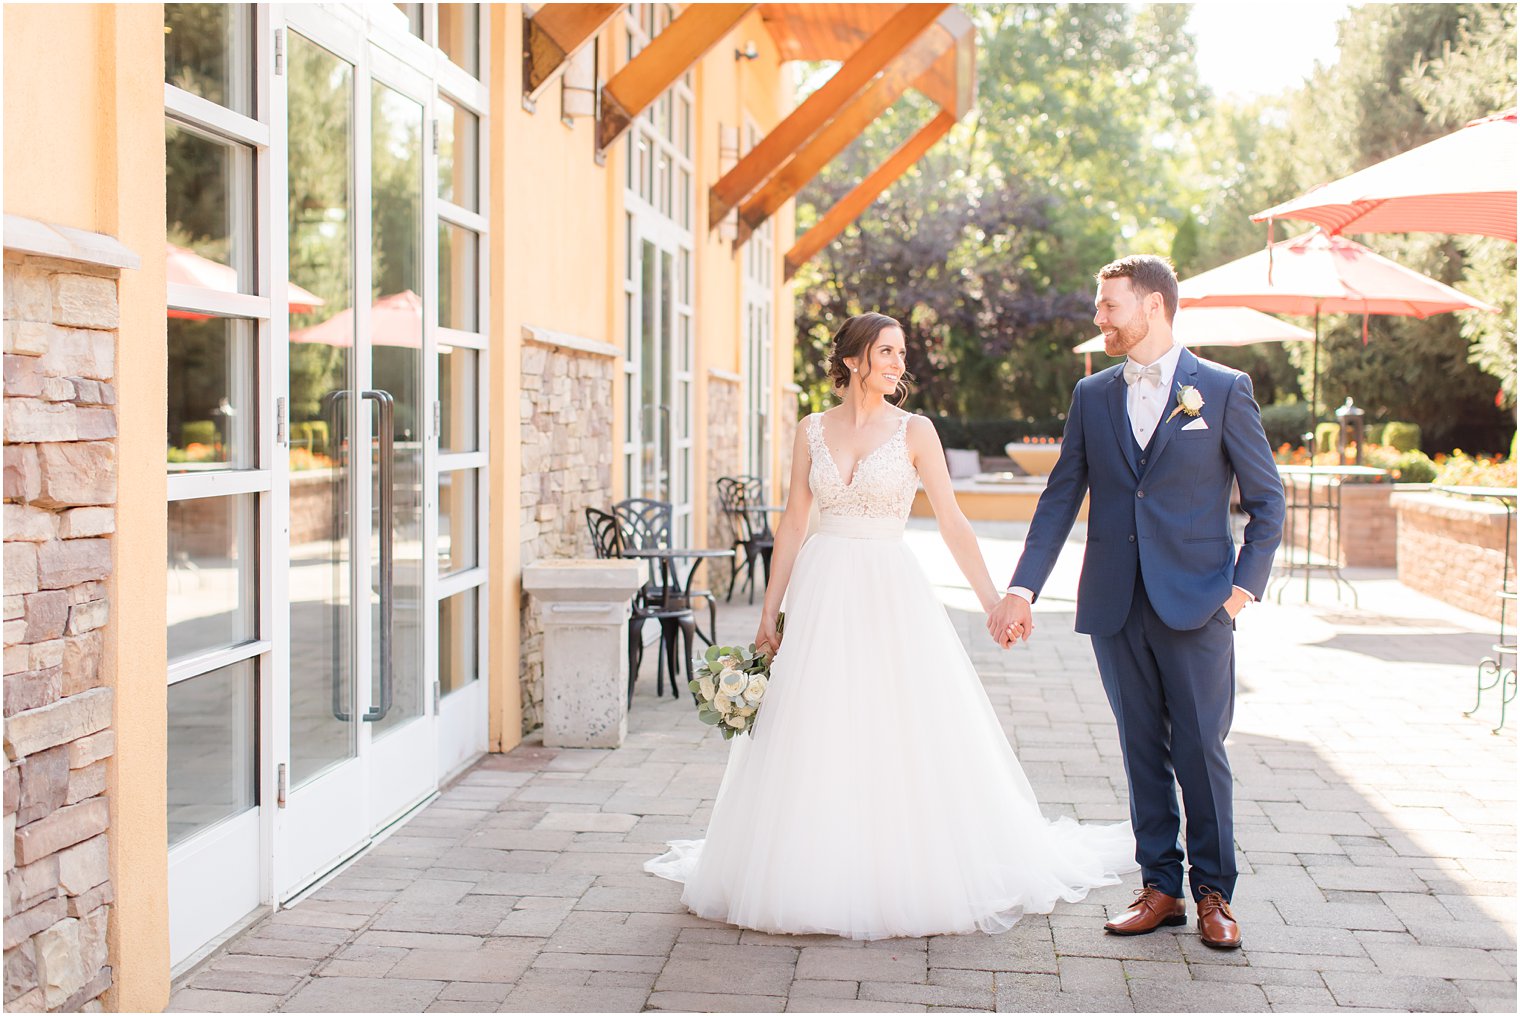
column 989, row 436
column 199, row 432
column 1325, row 437
column 1374, row 433
column 1403, row 436
column 1463, row 470
column 311, row 435
column 1414, row 467
column 1285, row 423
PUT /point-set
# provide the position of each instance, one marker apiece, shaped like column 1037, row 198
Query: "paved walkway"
column 1376, row 826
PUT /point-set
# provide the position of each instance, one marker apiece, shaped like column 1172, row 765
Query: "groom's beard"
column 1126, row 337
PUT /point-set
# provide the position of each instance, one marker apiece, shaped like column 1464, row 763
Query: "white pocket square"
column 1198, row 424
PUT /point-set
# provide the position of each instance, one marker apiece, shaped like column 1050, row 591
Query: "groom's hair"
column 1147, row 273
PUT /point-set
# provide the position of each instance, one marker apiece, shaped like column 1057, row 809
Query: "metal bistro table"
column 1504, row 680
column 673, row 609
column 1318, row 501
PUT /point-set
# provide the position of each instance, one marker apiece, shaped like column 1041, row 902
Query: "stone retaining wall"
column 1452, row 548
column 1367, row 524
column 60, row 489
column 566, row 467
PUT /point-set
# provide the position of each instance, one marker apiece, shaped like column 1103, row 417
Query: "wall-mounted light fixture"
column 728, row 158
column 749, row 52
column 579, row 90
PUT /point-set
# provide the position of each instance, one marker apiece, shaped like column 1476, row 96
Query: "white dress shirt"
column 1146, row 405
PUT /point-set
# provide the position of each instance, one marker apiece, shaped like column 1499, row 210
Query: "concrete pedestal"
column 583, row 606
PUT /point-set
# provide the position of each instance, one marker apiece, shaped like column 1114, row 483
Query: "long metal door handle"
column 387, row 405
column 335, row 402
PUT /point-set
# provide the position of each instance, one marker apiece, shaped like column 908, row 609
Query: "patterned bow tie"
column 1134, row 372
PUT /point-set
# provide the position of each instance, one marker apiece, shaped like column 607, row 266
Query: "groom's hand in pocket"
column 1010, row 621
column 1237, row 602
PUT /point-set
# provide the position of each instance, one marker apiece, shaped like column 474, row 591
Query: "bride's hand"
column 767, row 639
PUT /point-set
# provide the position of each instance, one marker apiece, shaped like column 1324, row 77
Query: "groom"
column 1158, row 441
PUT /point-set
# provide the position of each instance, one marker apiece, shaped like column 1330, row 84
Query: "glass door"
column 659, row 463
column 356, row 705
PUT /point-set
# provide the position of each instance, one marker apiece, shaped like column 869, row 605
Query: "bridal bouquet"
column 730, row 684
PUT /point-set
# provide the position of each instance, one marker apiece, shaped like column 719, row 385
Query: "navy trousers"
column 1173, row 694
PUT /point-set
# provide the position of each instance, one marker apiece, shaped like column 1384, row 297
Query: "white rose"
column 732, row 683
column 723, row 704
column 747, row 710
column 706, row 688
column 755, row 690
column 1191, row 400
column 736, row 721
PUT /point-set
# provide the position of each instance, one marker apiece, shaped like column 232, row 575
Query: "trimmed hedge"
column 989, row 436
column 1403, row 436
column 1285, row 423
column 1327, row 437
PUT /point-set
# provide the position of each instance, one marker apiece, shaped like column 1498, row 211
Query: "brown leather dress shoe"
column 1216, row 925
column 1152, row 908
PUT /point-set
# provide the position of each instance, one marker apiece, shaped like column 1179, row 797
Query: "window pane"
column 458, row 156
column 458, row 383
column 213, row 570
column 212, row 408
column 213, row 744
column 414, row 16
column 459, row 35
column 458, row 640
column 458, row 258
column 208, row 51
column 323, row 414
column 395, row 256
column 208, row 200
column 456, row 521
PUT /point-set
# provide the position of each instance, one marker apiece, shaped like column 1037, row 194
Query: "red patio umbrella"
column 1317, row 273
column 394, row 320
column 1461, row 183
column 184, row 267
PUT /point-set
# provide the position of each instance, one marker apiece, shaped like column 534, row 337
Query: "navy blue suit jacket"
column 1169, row 517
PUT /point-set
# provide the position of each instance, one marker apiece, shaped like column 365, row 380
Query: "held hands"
column 1010, row 621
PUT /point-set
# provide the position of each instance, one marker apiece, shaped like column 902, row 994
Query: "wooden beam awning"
column 668, row 55
column 553, row 33
column 849, row 207
column 884, row 50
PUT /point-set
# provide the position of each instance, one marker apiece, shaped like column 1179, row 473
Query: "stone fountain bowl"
column 1034, row 459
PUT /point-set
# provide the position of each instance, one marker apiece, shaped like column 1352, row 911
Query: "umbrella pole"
column 1313, row 450
column 1314, row 388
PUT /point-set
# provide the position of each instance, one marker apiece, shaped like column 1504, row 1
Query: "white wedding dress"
column 878, row 796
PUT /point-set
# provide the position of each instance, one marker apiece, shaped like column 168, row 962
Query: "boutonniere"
column 1189, row 401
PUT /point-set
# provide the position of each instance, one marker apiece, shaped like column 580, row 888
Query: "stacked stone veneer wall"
column 60, row 490
column 1367, row 524
column 724, row 458
column 566, row 434
column 1452, row 548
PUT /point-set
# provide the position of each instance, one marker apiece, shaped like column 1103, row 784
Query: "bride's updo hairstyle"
column 855, row 338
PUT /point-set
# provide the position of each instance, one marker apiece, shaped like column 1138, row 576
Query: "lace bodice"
column 884, row 482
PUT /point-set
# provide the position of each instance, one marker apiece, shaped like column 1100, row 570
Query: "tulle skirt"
column 878, row 796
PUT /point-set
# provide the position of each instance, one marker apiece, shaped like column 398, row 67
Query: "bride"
column 878, row 796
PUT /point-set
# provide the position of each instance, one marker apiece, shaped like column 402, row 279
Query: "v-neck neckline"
column 850, row 483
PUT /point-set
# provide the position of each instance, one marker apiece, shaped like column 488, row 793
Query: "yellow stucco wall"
column 84, row 147
column 558, row 236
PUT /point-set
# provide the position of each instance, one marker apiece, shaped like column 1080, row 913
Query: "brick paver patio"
column 1376, row 826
